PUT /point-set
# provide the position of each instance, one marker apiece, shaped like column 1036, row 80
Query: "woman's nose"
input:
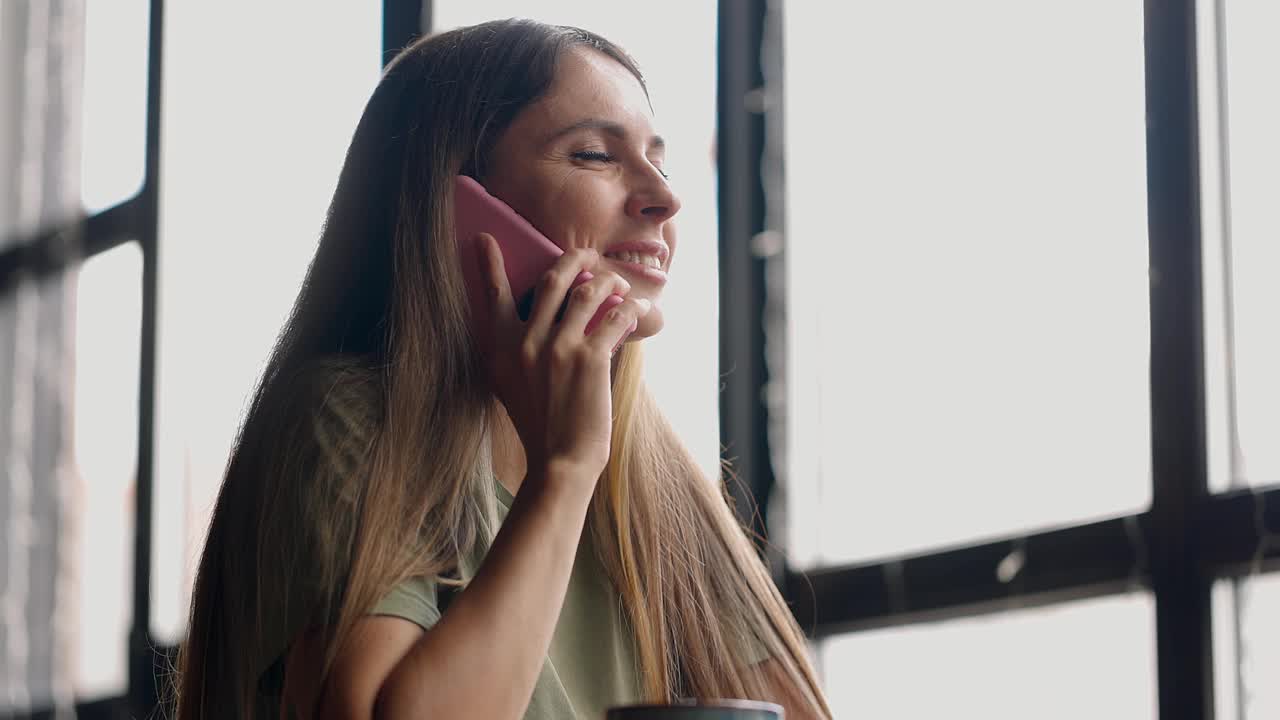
column 655, row 201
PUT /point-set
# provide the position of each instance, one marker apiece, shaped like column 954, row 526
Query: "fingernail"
column 644, row 303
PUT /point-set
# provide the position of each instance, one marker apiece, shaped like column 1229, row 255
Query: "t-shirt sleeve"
column 306, row 546
column 414, row 600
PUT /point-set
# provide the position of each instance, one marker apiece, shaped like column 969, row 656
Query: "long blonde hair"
column 348, row 520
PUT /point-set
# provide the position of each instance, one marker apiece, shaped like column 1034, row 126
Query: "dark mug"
column 693, row 710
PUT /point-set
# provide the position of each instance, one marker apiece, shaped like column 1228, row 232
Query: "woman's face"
column 584, row 166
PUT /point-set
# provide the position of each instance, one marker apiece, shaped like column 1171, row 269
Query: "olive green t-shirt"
column 591, row 665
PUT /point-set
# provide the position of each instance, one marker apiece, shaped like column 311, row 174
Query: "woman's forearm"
column 482, row 659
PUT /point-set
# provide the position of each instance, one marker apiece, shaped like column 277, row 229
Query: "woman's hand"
column 553, row 378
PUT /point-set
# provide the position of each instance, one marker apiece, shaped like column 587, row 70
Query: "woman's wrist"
column 562, row 479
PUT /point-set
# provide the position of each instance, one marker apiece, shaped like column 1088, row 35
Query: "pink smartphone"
column 526, row 253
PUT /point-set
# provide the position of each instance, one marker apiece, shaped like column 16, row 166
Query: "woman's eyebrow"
column 616, row 129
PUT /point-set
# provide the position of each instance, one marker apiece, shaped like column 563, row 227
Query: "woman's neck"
column 509, row 463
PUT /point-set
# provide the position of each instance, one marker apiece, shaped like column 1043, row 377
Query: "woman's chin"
column 649, row 325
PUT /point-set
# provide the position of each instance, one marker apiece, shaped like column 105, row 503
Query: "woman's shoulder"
column 341, row 385
column 343, row 396
column 340, row 379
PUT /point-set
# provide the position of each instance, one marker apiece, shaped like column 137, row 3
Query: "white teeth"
column 637, row 259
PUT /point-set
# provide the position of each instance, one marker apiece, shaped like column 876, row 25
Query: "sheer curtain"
column 41, row 67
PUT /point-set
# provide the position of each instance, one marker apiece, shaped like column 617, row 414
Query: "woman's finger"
column 618, row 323
column 551, row 289
column 586, row 300
column 502, row 307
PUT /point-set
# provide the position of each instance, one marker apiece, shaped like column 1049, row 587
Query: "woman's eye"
column 600, row 156
column 593, row 156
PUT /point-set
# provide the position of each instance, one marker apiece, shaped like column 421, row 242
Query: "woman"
column 391, row 465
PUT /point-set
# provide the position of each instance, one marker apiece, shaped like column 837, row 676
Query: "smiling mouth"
column 649, row 261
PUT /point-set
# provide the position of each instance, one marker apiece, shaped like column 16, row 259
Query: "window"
column 1240, row 153
column 967, row 258
column 979, row 366
column 115, row 101
column 1042, row 663
column 1246, row 631
column 240, row 219
column 107, row 341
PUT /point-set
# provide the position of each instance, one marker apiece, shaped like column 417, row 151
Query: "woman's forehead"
column 589, row 83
